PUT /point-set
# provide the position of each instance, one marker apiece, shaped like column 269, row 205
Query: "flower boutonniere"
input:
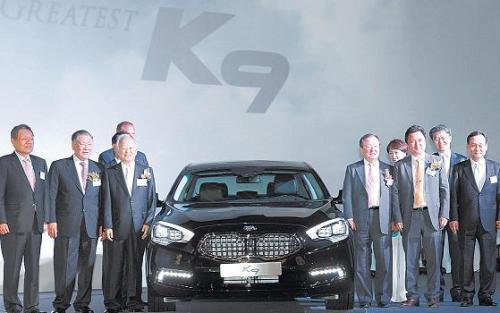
column 146, row 174
column 93, row 177
column 388, row 178
column 436, row 164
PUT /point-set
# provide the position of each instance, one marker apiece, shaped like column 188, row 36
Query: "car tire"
column 344, row 302
column 156, row 303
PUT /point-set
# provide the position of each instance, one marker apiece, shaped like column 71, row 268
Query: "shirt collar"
column 78, row 161
column 481, row 163
column 367, row 163
column 446, row 154
column 21, row 158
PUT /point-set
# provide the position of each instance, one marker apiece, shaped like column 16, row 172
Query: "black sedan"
column 254, row 229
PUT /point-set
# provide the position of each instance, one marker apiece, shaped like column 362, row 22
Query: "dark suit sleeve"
column 454, row 194
column 395, row 206
column 3, row 186
column 347, row 194
column 53, row 183
column 444, row 194
column 107, row 221
column 101, row 158
column 151, row 199
column 498, row 197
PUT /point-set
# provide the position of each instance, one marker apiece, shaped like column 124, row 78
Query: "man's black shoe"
column 487, row 301
column 466, row 302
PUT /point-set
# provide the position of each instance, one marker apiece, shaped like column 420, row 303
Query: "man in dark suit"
column 74, row 206
column 441, row 136
column 366, row 198
column 23, row 205
column 420, row 199
column 108, row 157
column 475, row 196
column 129, row 204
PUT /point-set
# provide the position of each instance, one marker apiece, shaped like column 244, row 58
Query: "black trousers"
column 74, row 255
column 456, row 257
column 487, row 267
column 122, row 272
column 15, row 248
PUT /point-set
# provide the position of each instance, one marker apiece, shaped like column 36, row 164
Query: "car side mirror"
column 159, row 203
column 338, row 198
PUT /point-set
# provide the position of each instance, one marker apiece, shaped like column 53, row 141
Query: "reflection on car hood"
column 304, row 213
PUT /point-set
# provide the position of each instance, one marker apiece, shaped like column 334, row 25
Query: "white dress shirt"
column 480, row 173
column 373, row 191
column 128, row 174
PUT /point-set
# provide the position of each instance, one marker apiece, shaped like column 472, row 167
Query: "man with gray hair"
column 441, row 136
column 75, row 204
column 129, row 206
column 23, row 203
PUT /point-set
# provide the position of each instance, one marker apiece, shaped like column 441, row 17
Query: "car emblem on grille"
column 249, row 228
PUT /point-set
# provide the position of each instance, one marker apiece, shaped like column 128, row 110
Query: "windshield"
column 226, row 186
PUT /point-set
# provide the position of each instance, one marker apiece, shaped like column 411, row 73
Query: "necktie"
column 477, row 176
column 370, row 186
column 418, row 197
column 127, row 179
column 28, row 170
column 83, row 175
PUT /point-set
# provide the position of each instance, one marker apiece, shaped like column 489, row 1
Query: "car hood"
column 306, row 214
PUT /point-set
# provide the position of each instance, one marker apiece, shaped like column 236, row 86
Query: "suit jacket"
column 18, row 201
column 469, row 204
column 455, row 158
column 436, row 192
column 123, row 211
column 107, row 158
column 355, row 196
column 67, row 202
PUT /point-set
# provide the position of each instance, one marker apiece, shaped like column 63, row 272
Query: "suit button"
column 131, row 201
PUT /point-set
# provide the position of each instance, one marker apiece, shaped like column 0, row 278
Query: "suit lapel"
column 409, row 172
column 469, row 175
column 137, row 172
column 489, row 173
column 360, row 171
column 17, row 164
column 121, row 178
column 70, row 164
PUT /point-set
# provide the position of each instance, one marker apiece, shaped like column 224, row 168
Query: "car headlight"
column 333, row 230
column 166, row 233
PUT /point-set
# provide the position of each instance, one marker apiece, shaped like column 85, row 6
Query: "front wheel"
column 345, row 301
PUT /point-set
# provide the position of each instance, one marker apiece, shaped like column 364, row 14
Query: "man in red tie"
column 23, row 202
column 366, row 195
column 74, row 206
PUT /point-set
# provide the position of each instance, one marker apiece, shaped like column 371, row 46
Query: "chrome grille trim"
column 235, row 246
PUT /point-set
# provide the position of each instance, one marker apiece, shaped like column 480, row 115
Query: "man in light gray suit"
column 366, row 198
column 129, row 206
column 74, row 206
column 420, row 199
column 475, row 198
column 23, row 205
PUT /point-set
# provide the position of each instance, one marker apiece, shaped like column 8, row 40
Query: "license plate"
column 250, row 269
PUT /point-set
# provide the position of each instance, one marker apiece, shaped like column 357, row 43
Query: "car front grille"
column 234, row 246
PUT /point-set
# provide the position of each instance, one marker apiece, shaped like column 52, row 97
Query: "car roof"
column 232, row 165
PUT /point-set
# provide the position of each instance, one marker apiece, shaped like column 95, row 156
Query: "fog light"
column 164, row 274
column 337, row 271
